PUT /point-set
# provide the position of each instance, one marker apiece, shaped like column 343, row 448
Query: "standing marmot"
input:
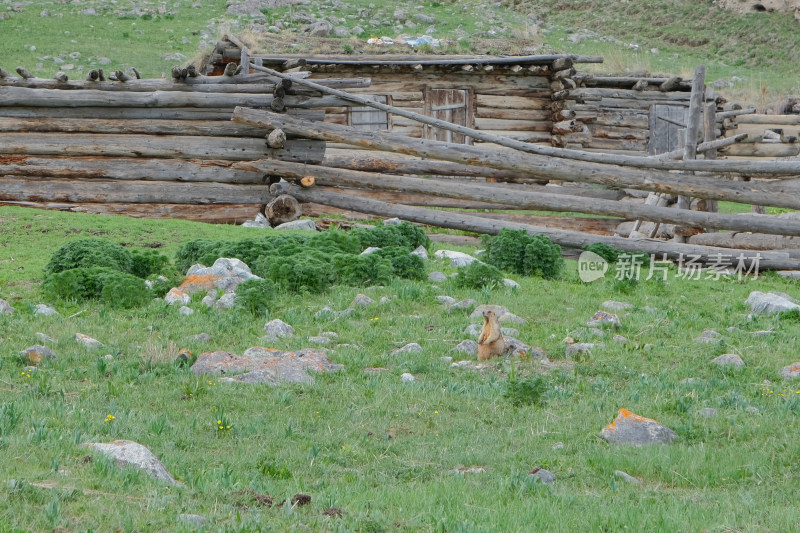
column 491, row 342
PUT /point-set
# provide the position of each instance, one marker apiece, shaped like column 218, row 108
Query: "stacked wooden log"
column 146, row 141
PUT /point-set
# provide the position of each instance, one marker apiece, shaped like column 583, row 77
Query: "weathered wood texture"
column 214, row 214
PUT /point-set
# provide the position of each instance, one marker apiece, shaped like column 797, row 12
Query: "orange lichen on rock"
column 197, row 283
column 624, row 413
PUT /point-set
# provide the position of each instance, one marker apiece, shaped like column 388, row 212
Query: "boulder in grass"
column 630, row 428
column 176, row 295
column 266, row 365
column 362, row 300
column 770, row 303
column 5, row 308
column 86, row 341
column 469, row 347
column 603, row 319
column 129, row 453
column 411, row 347
column 420, row 251
column 37, row 353
column 728, row 359
column 437, row 277
column 277, row 329
column 45, row 310
column 457, row 259
column 791, row 371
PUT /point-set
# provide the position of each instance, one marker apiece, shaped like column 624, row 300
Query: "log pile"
column 142, row 142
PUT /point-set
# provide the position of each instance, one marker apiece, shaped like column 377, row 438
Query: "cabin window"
column 450, row 105
column 369, row 118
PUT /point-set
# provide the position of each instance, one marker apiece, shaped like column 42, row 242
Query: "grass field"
column 379, row 449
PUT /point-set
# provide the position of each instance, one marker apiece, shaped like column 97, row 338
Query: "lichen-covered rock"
column 210, row 298
column 603, row 319
column 362, row 300
column 197, row 283
column 791, row 371
column 770, row 303
column 227, row 301
column 127, row 452
column 37, row 353
column 469, row 347
column 5, row 308
column 177, row 296
column 44, row 338
column 411, row 347
column 516, row 347
column 86, row 341
column 266, row 365
column 578, row 348
column 543, row 476
column 629, row 428
column 709, row 336
column 277, row 329
column 728, row 359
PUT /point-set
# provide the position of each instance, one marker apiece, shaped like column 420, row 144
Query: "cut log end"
column 307, row 181
column 282, row 209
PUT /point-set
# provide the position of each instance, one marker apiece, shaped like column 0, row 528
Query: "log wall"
column 769, row 136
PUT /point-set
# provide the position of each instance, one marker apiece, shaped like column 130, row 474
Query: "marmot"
column 491, row 342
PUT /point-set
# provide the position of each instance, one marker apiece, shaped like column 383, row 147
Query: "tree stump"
column 283, row 208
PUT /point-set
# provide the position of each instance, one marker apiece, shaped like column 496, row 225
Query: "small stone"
column 227, row 301
column 578, row 348
column 370, row 250
column 437, row 277
column 126, row 452
column 762, row 333
column 465, row 304
column 319, row 340
column 769, row 303
column 511, row 317
column 446, row 359
column 446, row 300
column 457, row 259
column 543, row 476
column 331, row 335
column 516, row 347
column 707, row 412
column 558, row 446
column 44, row 338
column 709, row 336
column 87, row 341
column 277, row 329
column 324, row 312
column 510, row 283
column 752, row 410
column 420, row 251
column 615, row 306
column 468, row 470
column 362, row 300
column 186, row 311
column 385, row 300
column 201, row 337
column 392, row 222
column 458, row 364
column 210, row 299
column 469, row 347
column 791, row 371
column 5, row 308
column 629, row 428
column 303, row 224
column 177, row 296
column 407, row 378
column 728, row 359
column 411, row 347
column 192, row 519
column 602, row 319
column 37, row 353
column 626, row 477
column 108, row 357
column 45, row 310
column 620, row 339
column 649, row 347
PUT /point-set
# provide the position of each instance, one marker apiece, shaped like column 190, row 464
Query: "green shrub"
column 112, row 287
column 148, row 262
column 362, row 270
column 522, row 253
column 603, row 250
column 404, row 264
column 478, row 275
column 189, row 253
column 524, row 391
column 406, row 235
column 255, row 296
column 162, row 283
column 308, row 271
column 336, row 241
column 87, row 253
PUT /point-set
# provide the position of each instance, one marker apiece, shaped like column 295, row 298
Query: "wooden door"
column 667, row 128
column 450, row 105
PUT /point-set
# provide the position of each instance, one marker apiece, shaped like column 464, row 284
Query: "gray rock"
column 762, row 333
column 708, row 412
column 177, row 296
column 227, row 301
column 620, row 339
column 586, row 333
column 498, row 310
column 446, row 359
column 370, row 250
column 425, row 19
column 578, row 348
column 459, row 364
column 37, row 353
column 789, row 274
column 210, row 299
column 302, row 224
column 407, row 378
column 86, row 341
column 129, row 453
column 475, row 330
column 636, row 430
column 186, row 311
column 728, row 359
column 45, row 310
column 769, row 303
column 411, row 347
column 201, row 337
column 437, row 277
column 543, row 476
column 457, row 259
column 392, row 222
column 319, row 340
column 752, row 410
column 385, row 300
column 791, row 371
column 44, row 338
column 612, row 305
column 327, row 312
column 558, row 446
column 262, row 365
column 709, row 336
column 420, row 251
column 192, row 519
column 446, row 300
column 331, row 335
column 465, row 304
column 626, row 477
column 510, row 283
column 277, row 329
column 516, row 347
column 5, row 308
column 358, row 30
column 603, row 319
column 362, row 300
column 469, row 347
column 260, row 222
column 341, row 31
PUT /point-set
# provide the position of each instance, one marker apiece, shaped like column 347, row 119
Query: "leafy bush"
column 478, row 275
column 308, row 271
column 405, row 264
column 189, row 253
column 87, row 253
column 406, row 235
column 336, row 241
column 370, row 269
column 161, row 284
column 524, row 391
column 603, row 250
column 255, row 296
column 148, row 262
column 112, row 287
column 526, row 254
